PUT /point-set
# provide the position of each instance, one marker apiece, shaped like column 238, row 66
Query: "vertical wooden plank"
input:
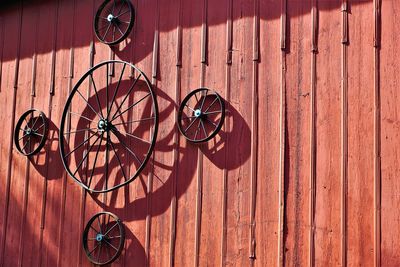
column 344, row 133
column 29, row 229
column 360, row 184
column 212, row 159
column 269, row 105
column 200, row 158
column 312, row 181
column 1, row 47
column 13, row 193
column 226, row 128
column 377, row 136
column 282, row 136
column 389, row 124
column 298, row 104
column 254, row 131
column 175, row 156
column 239, row 157
column 69, row 66
column 327, row 136
column 186, row 183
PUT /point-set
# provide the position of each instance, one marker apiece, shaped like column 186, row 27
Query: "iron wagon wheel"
column 107, row 127
column 201, row 115
column 30, row 132
column 114, row 21
column 103, row 238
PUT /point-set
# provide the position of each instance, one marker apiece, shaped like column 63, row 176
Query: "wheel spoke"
column 91, row 226
column 134, row 136
column 190, row 125
column 212, row 112
column 80, row 130
column 187, row 117
column 113, row 9
column 197, row 130
column 204, row 129
column 131, row 106
column 109, row 230
column 22, row 136
column 108, row 28
column 120, row 31
column 98, row 221
column 107, row 155
column 129, row 122
column 41, row 126
column 90, row 106
column 116, row 90
column 111, row 245
column 119, row 161
column 83, row 117
column 204, row 99
column 107, row 80
column 113, row 34
column 127, row 148
column 90, row 253
column 189, row 107
column 126, row 96
column 122, row 13
column 41, row 135
column 81, row 144
column 216, row 126
column 113, row 237
column 97, row 94
column 98, row 253
column 215, row 100
column 34, row 123
column 87, row 154
column 94, row 162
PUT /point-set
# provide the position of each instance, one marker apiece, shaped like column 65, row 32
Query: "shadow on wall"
column 269, row 10
column 214, row 150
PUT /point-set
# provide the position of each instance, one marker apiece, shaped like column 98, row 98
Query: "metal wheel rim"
column 43, row 127
column 103, row 242
column 122, row 32
column 153, row 135
column 202, row 121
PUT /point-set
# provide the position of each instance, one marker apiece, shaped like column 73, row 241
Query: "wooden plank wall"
column 303, row 173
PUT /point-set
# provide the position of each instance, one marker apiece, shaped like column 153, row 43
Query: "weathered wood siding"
column 305, row 171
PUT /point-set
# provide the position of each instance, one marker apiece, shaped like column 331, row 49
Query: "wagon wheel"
column 113, row 21
column 201, row 115
column 110, row 132
column 103, row 238
column 30, row 133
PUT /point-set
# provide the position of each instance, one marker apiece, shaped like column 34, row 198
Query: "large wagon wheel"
column 114, row 21
column 201, row 115
column 30, row 132
column 103, row 238
column 109, row 133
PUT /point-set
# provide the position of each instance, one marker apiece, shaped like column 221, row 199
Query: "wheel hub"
column 104, row 125
column 198, row 113
column 110, row 18
column 99, row 237
column 29, row 131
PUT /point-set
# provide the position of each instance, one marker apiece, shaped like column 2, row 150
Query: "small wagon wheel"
column 103, row 238
column 114, row 21
column 110, row 129
column 201, row 115
column 30, row 132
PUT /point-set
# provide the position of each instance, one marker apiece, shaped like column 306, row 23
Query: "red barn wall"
column 304, row 172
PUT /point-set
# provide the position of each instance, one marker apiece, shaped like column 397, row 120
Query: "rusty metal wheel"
column 103, row 238
column 30, row 132
column 201, row 115
column 114, row 21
